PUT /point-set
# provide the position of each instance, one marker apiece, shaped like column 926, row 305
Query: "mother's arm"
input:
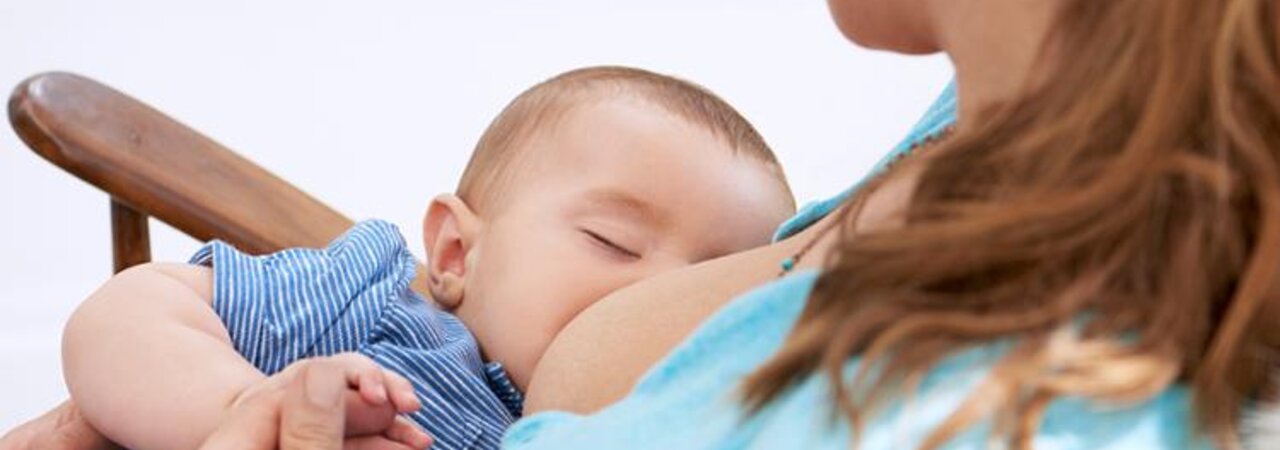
column 62, row 428
column 602, row 353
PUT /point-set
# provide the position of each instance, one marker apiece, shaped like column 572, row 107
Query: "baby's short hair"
column 543, row 103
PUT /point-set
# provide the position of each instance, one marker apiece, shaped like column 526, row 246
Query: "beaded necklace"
column 859, row 199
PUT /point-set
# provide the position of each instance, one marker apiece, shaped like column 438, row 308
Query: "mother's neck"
column 993, row 45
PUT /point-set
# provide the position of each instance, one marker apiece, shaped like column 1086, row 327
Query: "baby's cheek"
column 543, row 326
column 515, row 332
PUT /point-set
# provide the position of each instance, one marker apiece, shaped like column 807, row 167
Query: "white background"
column 373, row 107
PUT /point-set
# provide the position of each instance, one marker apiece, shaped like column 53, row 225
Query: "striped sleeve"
column 299, row 303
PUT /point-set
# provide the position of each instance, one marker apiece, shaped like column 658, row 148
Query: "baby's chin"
column 518, row 357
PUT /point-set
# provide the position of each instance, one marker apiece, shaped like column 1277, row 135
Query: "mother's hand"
column 307, row 412
column 62, row 428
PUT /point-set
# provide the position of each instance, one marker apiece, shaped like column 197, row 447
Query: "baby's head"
column 584, row 184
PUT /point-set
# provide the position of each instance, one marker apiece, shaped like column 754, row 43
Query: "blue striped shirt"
column 354, row 296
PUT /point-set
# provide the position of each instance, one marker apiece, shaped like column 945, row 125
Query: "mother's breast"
column 600, row 355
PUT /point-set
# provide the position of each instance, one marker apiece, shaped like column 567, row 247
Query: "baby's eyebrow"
column 628, row 205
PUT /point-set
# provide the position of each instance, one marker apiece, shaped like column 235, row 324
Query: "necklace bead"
column 789, row 263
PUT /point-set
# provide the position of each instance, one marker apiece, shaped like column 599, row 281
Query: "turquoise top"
column 688, row 400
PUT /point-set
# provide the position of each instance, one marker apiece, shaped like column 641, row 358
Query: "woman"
column 1085, row 261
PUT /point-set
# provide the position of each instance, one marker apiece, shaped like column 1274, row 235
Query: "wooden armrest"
column 153, row 165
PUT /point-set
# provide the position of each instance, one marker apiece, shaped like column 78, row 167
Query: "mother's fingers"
column 253, row 424
column 313, row 411
column 61, row 428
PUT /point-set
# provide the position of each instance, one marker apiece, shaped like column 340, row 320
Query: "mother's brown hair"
column 1118, row 224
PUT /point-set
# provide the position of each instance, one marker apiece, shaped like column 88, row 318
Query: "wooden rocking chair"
column 153, row 166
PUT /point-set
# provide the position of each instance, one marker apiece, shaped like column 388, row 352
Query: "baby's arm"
column 151, row 365
column 148, row 361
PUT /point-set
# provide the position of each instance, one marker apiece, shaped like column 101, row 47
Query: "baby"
column 584, row 184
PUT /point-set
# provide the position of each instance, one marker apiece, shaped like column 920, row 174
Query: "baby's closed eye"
column 612, row 244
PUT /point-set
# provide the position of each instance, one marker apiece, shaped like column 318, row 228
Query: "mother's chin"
column 894, row 25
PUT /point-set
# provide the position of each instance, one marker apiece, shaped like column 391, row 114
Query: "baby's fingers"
column 401, row 435
column 365, row 376
column 401, row 392
column 365, row 418
column 372, row 387
column 405, row 432
column 374, row 443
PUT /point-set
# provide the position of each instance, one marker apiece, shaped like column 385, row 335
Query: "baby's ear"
column 449, row 231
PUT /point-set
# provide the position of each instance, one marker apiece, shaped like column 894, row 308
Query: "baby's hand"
column 374, row 400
